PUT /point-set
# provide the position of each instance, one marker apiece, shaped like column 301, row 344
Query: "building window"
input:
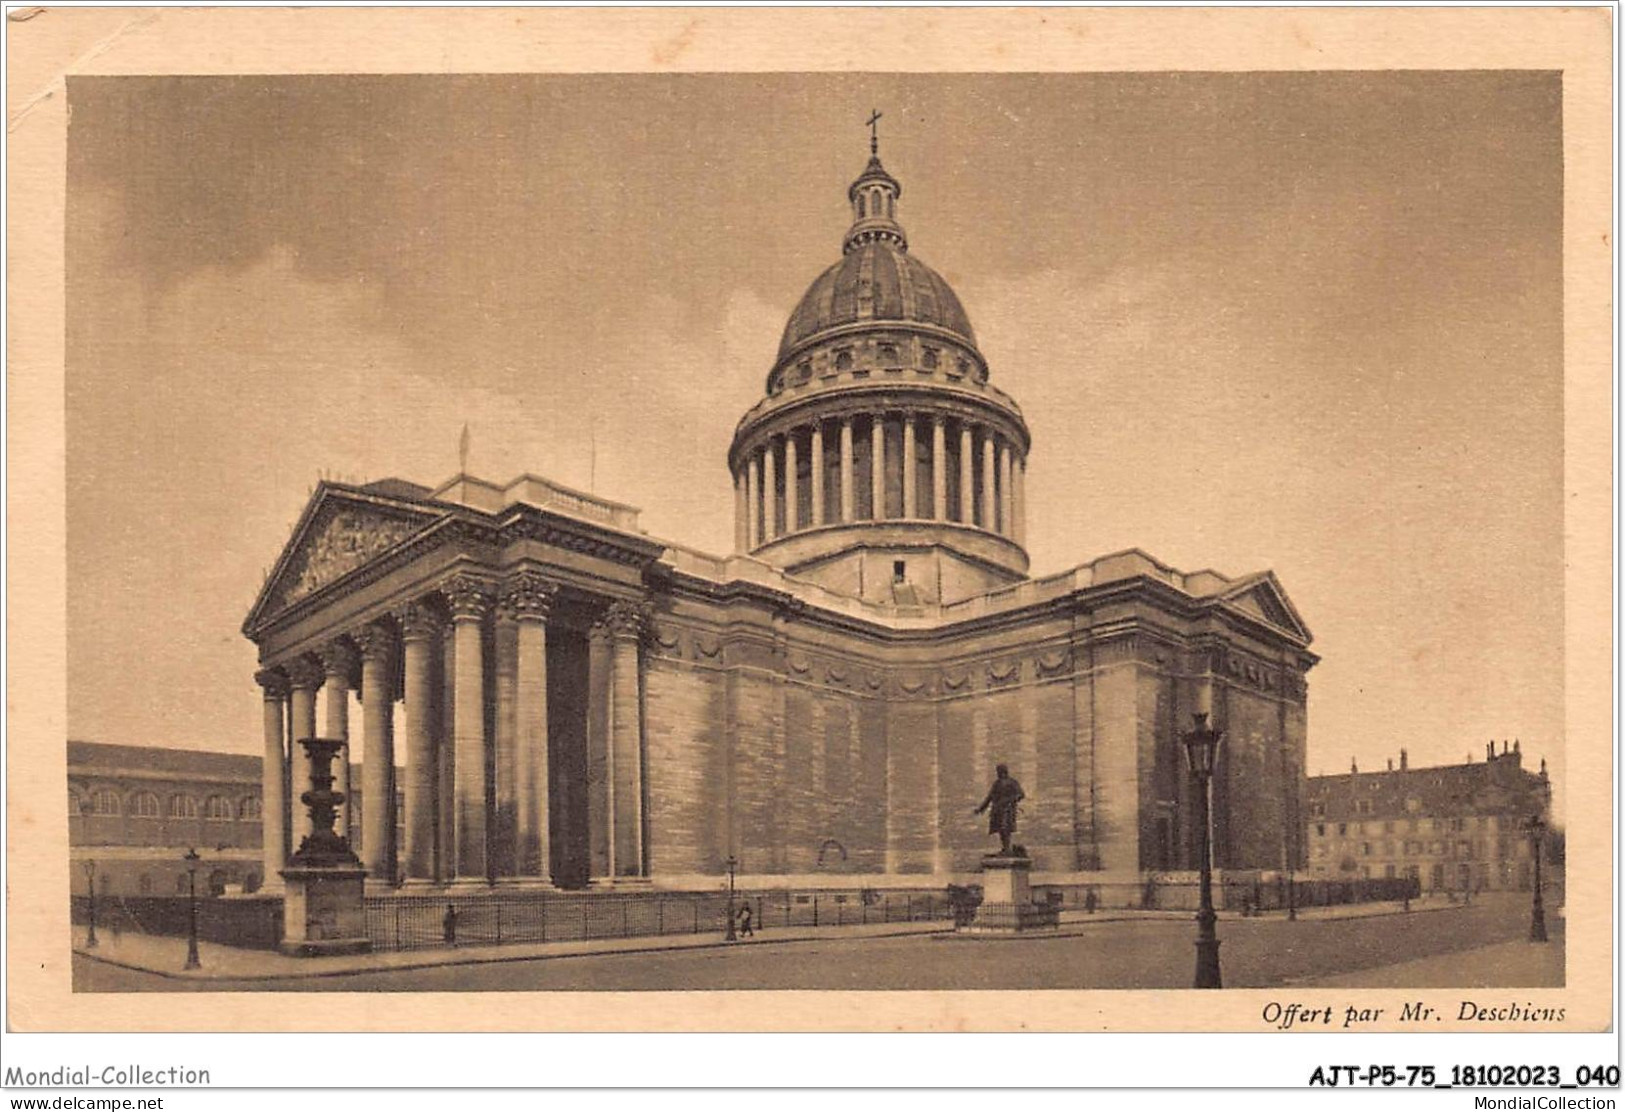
column 182, row 807
column 962, row 367
column 144, row 805
column 249, row 809
column 104, row 801
column 888, row 352
column 929, row 359
column 843, row 360
column 75, row 806
column 1365, row 849
column 1388, row 871
column 803, row 371
column 1362, row 807
column 1320, row 829
column 1413, row 805
column 1342, row 828
column 899, row 571
column 216, row 808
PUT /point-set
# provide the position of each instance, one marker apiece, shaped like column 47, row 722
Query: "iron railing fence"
column 404, row 922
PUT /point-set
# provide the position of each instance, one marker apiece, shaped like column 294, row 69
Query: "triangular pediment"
column 341, row 531
column 1262, row 597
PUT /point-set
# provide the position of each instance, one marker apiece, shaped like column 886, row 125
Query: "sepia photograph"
column 1094, row 530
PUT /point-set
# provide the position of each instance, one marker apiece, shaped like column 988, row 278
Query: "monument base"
column 323, row 912
column 1007, row 903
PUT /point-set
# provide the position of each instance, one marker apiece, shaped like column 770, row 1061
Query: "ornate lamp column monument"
column 323, row 912
column 1536, row 827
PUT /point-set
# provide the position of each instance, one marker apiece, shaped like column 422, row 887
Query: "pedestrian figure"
column 1089, row 903
column 1000, row 805
column 449, row 925
column 745, row 928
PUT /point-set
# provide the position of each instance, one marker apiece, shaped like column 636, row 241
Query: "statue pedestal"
column 323, row 912
column 1007, row 903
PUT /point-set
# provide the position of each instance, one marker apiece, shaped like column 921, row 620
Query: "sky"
column 1298, row 321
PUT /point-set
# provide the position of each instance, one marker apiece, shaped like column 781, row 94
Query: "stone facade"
column 1451, row 828
column 575, row 702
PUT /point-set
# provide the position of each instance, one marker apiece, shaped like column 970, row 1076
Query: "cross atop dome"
column 874, row 200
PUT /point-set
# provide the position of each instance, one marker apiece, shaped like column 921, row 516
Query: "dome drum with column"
column 882, row 462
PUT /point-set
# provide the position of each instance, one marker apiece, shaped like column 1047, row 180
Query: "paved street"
column 1135, row 954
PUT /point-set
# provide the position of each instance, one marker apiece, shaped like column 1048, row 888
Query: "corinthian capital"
column 304, row 673
column 274, row 681
column 338, row 659
column 417, row 621
column 468, row 596
column 528, row 594
column 375, row 644
column 626, row 618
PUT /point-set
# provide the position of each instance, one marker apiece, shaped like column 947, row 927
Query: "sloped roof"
column 1497, row 785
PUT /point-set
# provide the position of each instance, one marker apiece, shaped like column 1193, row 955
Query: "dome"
column 876, row 281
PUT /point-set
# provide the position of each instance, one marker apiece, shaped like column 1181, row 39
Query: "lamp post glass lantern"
column 1201, row 748
column 191, row 860
column 90, row 884
column 1536, row 827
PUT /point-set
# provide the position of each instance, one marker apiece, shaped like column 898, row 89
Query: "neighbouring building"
column 577, row 703
column 1452, row 827
column 135, row 811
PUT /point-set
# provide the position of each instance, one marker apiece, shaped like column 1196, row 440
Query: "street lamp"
column 191, row 860
column 732, row 863
column 1536, row 827
column 1201, row 747
column 90, row 883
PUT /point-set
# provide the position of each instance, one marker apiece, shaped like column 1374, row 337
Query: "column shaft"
column 378, row 756
column 306, row 679
column 417, row 634
column 338, row 661
column 990, row 517
column 939, row 470
column 816, row 470
column 600, row 759
column 470, row 601
column 910, row 467
column 741, row 513
column 877, row 468
column 273, row 800
column 535, row 844
column 791, row 495
column 753, row 502
column 770, row 493
column 626, row 738
column 967, row 476
column 1007, row 521
column 1021, row 501
column 502, row 835
column 847, row 500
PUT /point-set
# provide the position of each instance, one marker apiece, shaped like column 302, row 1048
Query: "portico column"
column 741, row 513
column 877, row 467
column 528, row 598
column 753, row 501
column 418, row 631
column 967, row 476
column 817, row 471
column 305, row 678
column 910, row 466
column 847, row 499
column 939, row 469
column 273, row 800
column 990, row 515
column 770, row 492
column 1007, row 520
column 378, row 851
column 470, row 600
column 338, row 661
column 600, row 757
column 790, row 492
column 626, row 625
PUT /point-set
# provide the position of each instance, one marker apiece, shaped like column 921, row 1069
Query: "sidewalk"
column 165, row 956
column 1502, row 965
